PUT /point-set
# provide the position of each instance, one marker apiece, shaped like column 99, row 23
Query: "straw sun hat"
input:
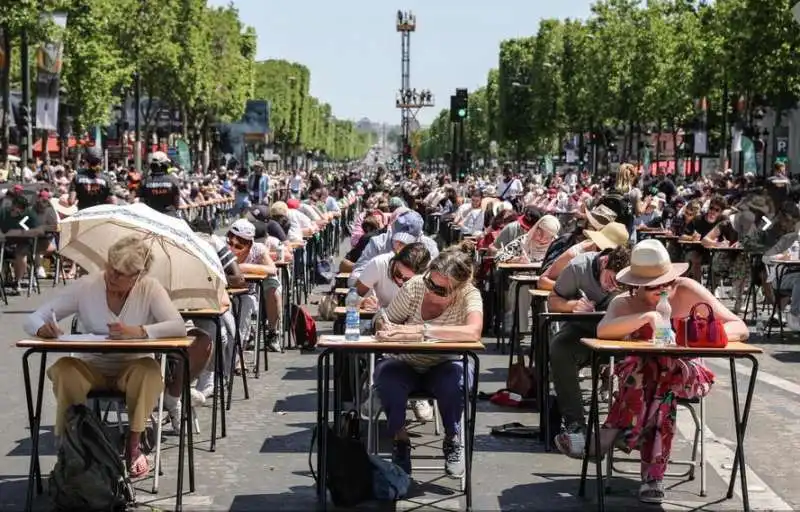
column 610, row 237
column 600, row 215
column 650, row 266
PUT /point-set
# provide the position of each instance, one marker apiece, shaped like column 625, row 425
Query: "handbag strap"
column 693, row 311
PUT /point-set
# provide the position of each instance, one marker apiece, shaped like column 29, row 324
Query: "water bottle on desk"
column 663, row 335
column 280, row 251
column 794, row 251
column 352, row 321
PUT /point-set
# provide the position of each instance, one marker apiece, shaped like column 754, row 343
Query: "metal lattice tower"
column 409, row 101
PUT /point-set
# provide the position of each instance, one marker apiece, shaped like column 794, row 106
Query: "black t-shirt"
column 700, row 225
column 91, row 188
column 355, row 252
column 242, row 185
column 668, row 188
column 160, row 192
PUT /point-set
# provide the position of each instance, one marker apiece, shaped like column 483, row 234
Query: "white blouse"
column 148, row 305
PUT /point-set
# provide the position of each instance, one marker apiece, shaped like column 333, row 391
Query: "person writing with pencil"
column 121, row 303
column 587, row 283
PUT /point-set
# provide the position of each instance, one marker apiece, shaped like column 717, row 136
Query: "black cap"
column 94, row 155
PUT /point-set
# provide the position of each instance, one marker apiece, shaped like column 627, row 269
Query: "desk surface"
column 92, row 346
column 583, row 315
column 342, row 311
column 369, row 343
column 255, row 277
column 519, row 266
column 237, row 291
column 343, row 275
column 204, row 312
column 734, row 348
column 524, row 278
column 540, row 293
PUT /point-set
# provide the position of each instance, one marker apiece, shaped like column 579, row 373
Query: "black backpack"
column 349, row 469
column 89, row 473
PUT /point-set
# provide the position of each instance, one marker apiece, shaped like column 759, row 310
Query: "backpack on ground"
column 89, row 473
column 349, row 474
column 303, row 328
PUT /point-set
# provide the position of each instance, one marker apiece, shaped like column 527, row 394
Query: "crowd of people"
column 423, row 253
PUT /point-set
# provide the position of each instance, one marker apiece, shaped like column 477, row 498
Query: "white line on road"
column 720, row 458
column 767, row 378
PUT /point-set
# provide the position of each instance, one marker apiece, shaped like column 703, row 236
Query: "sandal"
column 652, row 492
column 139, row 467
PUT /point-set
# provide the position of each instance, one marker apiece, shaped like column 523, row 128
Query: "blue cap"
column 410, row 222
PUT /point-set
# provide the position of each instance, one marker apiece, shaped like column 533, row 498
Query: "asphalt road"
column 263, row 462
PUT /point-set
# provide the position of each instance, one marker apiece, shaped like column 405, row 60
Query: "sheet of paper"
column 83, row 337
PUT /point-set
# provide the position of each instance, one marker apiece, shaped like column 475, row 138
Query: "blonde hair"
column 130, row 255
column 625, row 177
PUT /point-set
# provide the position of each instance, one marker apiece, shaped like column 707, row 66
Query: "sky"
column 352, row 48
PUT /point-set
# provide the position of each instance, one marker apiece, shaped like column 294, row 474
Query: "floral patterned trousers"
column 646, row 405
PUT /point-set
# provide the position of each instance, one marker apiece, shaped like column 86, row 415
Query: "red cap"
column 293, row 203
column 44, row 194
column 17, row 189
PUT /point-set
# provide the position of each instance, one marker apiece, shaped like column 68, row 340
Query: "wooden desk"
column 504, row 270
column 261, row 314
column 519, row 267
column 341, row 291
column 177, row 346
column 734, row 350
column 332, row 346
column 235, row 292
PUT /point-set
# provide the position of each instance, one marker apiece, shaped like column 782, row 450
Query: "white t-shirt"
column 473, row 221
column 299, row 220
column 296, row 183
column 376, row 277
column 510, row 190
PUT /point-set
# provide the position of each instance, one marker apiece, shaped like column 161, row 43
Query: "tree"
column 515, row 94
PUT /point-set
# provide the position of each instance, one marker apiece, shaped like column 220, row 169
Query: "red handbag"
column 701, row 332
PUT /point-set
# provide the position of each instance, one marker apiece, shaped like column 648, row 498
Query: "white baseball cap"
column 243, row 229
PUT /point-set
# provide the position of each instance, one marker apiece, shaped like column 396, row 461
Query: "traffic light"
column 25, row 123
column 458, row 105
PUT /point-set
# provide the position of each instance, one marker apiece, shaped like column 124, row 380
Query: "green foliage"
column 633, row 63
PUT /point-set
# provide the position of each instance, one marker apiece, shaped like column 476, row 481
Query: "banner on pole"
column 48, row 65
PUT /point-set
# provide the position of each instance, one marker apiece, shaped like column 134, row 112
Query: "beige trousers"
column 139, row 379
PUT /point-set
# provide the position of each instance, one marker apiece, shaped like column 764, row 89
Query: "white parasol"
column 185, row 264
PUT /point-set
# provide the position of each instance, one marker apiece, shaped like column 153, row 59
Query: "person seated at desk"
column 253, row 258
column 10, row 217
column 385, row 275
column 530, row 247
column 588, row 283
column 47, row 218
column 697, row 229
column 122, row 302
column 444, row 305
column 610, row 236
column 643, row 414
column 371, row 225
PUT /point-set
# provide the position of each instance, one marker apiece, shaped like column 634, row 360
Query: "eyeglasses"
column 440, row 291
column 116, row 274
column 659, row 287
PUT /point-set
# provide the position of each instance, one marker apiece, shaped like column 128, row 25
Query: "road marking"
column 767, row 378
column 719, row 457
column 23, row 224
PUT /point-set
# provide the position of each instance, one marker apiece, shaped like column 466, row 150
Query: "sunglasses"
column 439, row 291
column 659, row 287
column 237, row 244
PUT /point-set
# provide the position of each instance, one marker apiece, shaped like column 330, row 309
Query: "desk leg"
column 34, row 418
column 237, row 350
column 470, row 413
column 186, row 434
column 259, row 320
column 31, row 267
column 740, row 424
column 263, row 312
column 513, row 339
column 593, row 431
column 323, row 405
column 544, row 384
column 218, row 402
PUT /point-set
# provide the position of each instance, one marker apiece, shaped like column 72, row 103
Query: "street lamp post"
column 137, row 142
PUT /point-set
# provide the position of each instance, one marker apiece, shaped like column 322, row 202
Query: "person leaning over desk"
column 121, row 302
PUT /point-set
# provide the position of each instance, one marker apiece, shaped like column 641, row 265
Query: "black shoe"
column 401, row 455
column 273, row 343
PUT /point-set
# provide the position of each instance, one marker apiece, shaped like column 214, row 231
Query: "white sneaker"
column 173, row 407
column 422, row 410
column 198, row 398
column 793, row 321
column 40, row 273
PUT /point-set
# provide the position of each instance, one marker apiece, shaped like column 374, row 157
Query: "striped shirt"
column 406, row 309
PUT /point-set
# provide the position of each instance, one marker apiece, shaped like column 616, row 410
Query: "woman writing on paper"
column 443, row 305
column 121, row 303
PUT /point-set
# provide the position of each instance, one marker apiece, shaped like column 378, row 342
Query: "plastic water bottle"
column 352, row 321
column 663, row 335
column 280, row 251
column 794, row 251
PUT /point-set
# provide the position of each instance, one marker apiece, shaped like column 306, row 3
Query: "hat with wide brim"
column 62, row 209
column 611, row 236
column 600, row 215
column 650, row 266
